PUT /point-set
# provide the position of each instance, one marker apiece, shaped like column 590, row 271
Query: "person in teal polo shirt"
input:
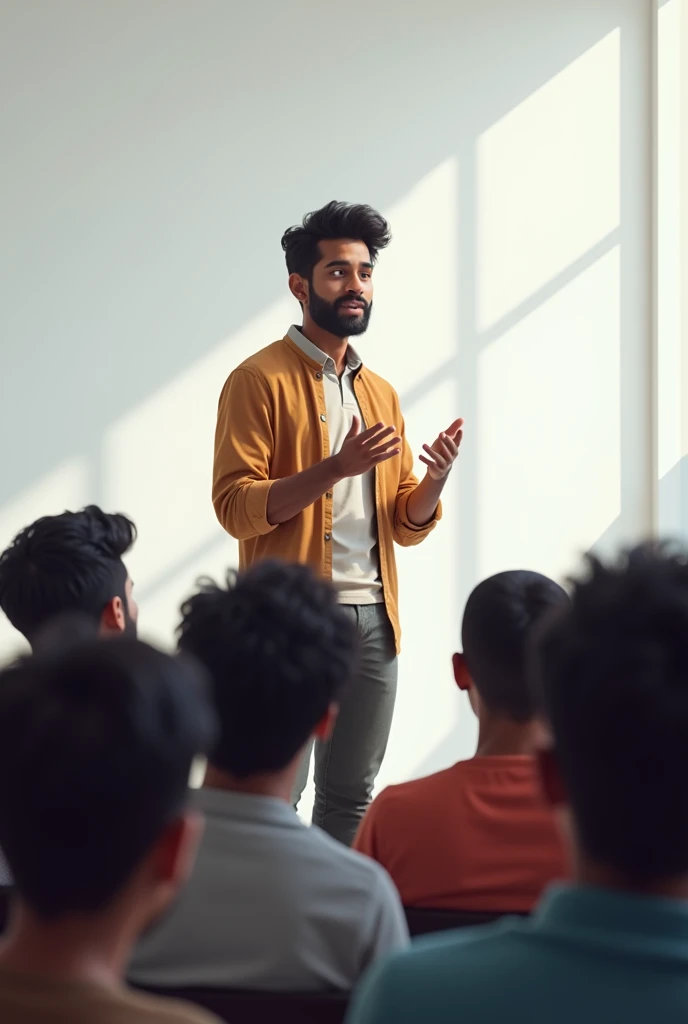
column 612, row 672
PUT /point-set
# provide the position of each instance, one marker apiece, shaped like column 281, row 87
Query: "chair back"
column 246, row 1007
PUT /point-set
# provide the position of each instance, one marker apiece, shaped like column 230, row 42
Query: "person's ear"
column 461, row 673
column 550, row 777
column 325, row 726
column 298, row 286
column 175, row 851
column 113, row 618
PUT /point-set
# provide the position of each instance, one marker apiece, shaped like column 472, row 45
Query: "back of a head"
column 279, row 650
column 613, row 672
column 354, row 221
column 96, row 745
column 497, row 623
column 70, row 562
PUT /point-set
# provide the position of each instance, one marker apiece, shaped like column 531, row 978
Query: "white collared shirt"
column 355, row 559
column 271, row 904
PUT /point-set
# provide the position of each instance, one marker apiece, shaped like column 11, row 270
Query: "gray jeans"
column 347, row 764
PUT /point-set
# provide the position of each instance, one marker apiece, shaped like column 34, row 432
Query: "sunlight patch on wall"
column 65, row 487
column 414, row 324
column 549, row 429
column 548, row 181
column 157, row 467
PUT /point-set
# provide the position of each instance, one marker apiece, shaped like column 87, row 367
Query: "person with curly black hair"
column 66, row 564
column 271, row 903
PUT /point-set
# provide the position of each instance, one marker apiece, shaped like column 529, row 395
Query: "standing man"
column 312, row 465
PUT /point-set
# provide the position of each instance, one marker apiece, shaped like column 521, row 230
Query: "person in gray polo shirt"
column 272, row 903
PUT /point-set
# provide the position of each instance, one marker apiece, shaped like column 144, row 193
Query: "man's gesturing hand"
column 361, row 452
column 440, row 456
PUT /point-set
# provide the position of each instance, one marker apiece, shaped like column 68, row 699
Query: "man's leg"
column 346, row 766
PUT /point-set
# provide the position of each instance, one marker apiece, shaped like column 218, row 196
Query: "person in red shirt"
column 479, row 836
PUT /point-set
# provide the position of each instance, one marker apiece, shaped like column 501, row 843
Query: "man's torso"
column 355, row 559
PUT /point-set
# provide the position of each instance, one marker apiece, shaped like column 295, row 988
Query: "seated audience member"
column 64, row 566
column 479, row 835
column 96, row 744
column 272, row 903
column 69, row 563
column 613, row 670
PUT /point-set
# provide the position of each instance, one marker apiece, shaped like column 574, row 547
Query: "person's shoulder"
column 142, row 1008
column 264, row 364
column 437, row 974
column 378, row 383
column 350, row 867
column 454, row 955
column 399, row 797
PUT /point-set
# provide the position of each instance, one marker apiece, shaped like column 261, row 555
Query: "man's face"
column 340, row 293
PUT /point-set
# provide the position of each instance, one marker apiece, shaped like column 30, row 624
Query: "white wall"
column 154, row 152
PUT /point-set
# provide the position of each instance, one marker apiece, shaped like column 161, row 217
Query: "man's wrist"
column 331, row 472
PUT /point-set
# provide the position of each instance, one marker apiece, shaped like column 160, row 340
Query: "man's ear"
column 113, row 619
column 298, row 286
column 550, row 777
column 175, row 851
column 325, row 726
column 461, row 673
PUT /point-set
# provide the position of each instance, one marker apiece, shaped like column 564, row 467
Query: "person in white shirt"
column 272, row 903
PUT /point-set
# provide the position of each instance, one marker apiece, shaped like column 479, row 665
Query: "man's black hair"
column 96, row 746
column 70, row 562
column 356, row 221
column 613, row 672
column 279, row 650
column 499, row 616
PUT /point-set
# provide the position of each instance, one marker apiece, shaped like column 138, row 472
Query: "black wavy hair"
column 496, row 631
column 612, row 669
column 70, row 562
column 335, row 220
column 279, row 649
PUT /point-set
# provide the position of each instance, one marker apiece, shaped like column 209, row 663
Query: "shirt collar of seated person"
column 66, row 564
column 492, row 669
column 94, row 819
column 279, row 649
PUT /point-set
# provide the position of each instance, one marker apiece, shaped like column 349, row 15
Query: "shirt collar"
column 221, row 803
column 353, row 360
column 607, row 917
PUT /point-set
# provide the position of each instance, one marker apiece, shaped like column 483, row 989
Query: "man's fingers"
column 379, row 449
column 448, row 446
column 454, row 429
column 438, row 459
column 375, row 435
column 385, row 455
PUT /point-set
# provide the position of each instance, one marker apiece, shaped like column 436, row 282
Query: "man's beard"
column 326, row 315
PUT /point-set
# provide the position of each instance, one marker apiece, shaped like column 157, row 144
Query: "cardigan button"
column 318, row 375
column 323, row 417
column 328, row 536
